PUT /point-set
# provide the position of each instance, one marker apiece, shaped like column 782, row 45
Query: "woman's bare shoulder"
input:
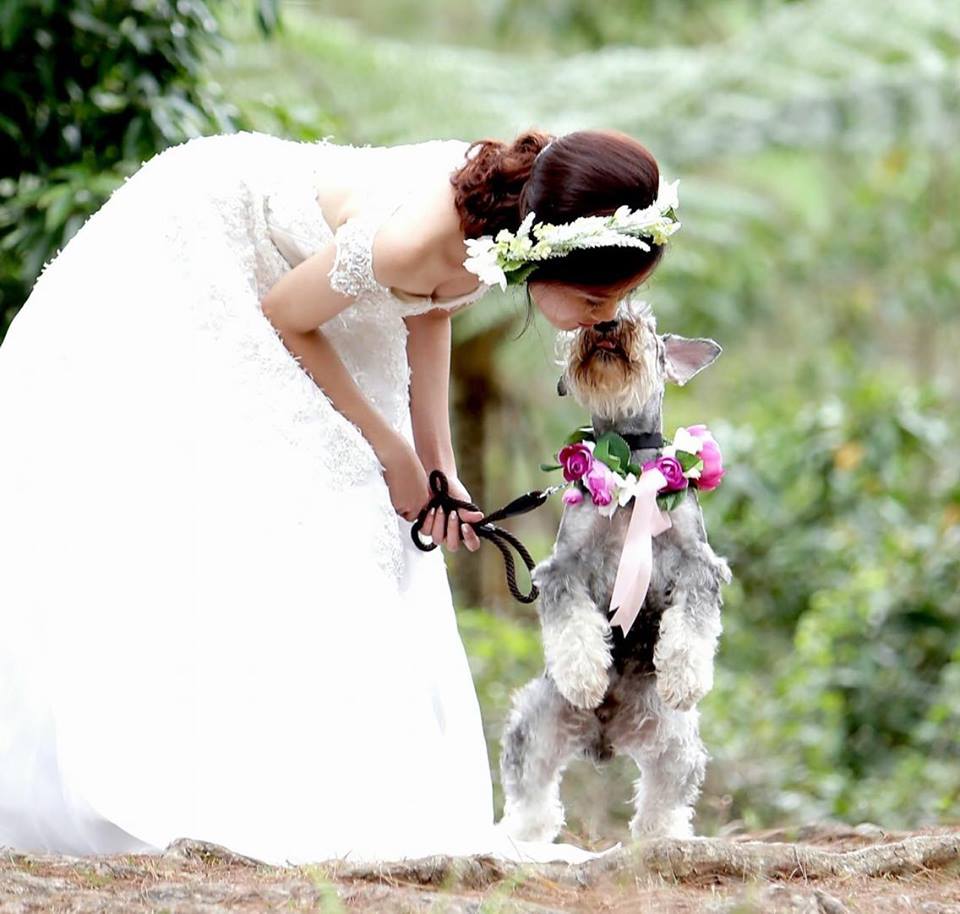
column 404, row 192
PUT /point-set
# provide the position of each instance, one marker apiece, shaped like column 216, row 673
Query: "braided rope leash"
column 486, row 528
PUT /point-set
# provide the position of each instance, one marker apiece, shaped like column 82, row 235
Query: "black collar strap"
column 643, row 440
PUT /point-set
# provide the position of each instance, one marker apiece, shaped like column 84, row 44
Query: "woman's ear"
column 686, row 357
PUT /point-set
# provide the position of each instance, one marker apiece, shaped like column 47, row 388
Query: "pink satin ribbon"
column 636, row 559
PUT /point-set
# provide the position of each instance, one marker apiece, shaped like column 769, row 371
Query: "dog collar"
column 641, row 440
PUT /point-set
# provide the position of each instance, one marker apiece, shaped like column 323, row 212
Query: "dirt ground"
column 820, row 869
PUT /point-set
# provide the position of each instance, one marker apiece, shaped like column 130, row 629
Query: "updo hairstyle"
column 584, row 173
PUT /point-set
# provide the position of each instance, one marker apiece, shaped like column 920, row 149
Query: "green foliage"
column 88, row 90
column 843, row 530
column 537, row 26
column 99, row 82
column 503, row 654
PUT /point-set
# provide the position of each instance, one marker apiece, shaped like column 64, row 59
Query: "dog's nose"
column 605, row 326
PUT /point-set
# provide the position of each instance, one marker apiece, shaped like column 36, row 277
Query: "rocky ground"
column 824, row 869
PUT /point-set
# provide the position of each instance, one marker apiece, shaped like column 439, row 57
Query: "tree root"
column 693, row 860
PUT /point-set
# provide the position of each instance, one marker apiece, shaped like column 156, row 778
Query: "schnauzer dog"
column 603, row 693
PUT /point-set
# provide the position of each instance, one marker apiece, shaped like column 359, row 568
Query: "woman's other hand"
column 404, row 475
column 450, row 530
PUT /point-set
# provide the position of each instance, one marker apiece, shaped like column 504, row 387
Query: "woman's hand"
column 450, row 530
column 404, row 475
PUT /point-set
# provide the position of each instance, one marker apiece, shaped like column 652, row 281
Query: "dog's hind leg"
column 543, row 732
column 666, row 746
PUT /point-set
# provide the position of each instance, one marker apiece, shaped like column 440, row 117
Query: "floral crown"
column 511, row 257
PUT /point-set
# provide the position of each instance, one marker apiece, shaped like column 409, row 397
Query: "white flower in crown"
column 482, row 260
column 512, row 256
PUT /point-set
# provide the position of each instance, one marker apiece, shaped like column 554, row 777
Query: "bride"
column 218, row 410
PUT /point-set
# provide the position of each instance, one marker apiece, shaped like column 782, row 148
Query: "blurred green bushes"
column 89, row 89
column 839, row 684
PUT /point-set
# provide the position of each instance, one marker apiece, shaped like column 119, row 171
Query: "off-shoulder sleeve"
column 352, row 270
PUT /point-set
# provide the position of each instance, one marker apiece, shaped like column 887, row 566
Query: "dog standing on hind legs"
column 603, row 693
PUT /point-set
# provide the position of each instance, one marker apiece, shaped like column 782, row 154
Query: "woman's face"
column 567, row 307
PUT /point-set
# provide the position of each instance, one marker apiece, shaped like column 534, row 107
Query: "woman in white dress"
column 218, row 409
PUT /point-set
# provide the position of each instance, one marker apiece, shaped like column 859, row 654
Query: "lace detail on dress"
column 352, row 271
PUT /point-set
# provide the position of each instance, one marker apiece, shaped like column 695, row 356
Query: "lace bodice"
column 297, row 226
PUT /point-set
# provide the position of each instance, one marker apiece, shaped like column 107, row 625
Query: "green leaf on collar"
column 669, row 500
column 616, row 447
column 584, row 433
column 602, row 453
column 687, row 460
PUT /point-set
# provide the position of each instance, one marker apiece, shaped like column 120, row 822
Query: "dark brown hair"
column 584, row 173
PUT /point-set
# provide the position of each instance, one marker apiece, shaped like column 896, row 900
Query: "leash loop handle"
column 504, row 540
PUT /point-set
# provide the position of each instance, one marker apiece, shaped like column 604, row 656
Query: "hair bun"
column 488, row 188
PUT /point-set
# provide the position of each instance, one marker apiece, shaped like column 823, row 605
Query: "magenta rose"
column 712, row 471
column 572, row 497
column 600, row 482
column 672, row 472
column 575, row 460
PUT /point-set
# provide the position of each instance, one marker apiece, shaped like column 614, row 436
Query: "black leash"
column 486, row 528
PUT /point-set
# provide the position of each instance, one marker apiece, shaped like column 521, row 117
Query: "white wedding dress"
column 212, row 623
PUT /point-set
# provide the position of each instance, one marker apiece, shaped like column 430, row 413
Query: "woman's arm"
column 428, row 352
column 297, row 305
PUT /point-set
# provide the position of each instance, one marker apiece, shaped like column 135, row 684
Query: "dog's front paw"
column 684, row 662
column 583, row 688
column 683, row 682
column 578, row 658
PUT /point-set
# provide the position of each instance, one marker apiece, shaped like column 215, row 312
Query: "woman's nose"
column 607, row 314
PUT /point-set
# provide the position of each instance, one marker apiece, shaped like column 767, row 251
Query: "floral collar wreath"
column 602, row 468
column 511, row 257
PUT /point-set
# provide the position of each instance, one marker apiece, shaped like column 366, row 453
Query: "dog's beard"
column 611, row 383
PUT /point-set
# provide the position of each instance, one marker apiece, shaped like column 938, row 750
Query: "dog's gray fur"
column 602, row 694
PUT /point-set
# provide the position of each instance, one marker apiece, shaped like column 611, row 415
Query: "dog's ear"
column 686, row 357
column 562, row 386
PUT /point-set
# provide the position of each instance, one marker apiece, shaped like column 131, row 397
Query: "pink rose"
column 575, row 460
column 672, row 472
column 600, row 481
column 712, row 471
column 572, row 497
